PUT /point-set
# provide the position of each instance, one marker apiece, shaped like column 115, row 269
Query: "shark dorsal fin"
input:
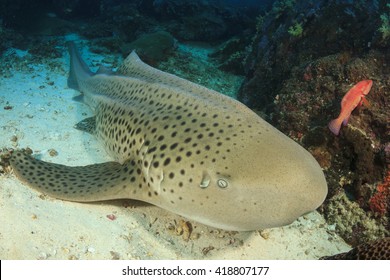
column 134, row 67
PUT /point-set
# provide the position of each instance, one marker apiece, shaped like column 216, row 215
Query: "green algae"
column 352, row 222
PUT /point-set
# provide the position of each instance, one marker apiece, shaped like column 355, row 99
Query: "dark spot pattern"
column 166, row 129
column 81, row 183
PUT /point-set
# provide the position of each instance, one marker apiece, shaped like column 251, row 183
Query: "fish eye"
column 222, row 183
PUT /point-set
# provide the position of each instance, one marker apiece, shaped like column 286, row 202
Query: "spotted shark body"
column 184, row 148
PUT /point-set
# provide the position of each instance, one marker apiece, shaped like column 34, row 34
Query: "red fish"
column 353, row 98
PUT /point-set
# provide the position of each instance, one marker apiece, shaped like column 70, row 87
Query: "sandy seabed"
column 35, row 226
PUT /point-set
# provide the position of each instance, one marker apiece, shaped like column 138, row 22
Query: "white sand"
column 34, row 226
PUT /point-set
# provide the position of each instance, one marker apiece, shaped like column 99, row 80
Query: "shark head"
column 249, row 180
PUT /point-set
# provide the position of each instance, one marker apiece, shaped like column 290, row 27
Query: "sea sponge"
column 296, row 30
column 352, row 222
column 380, row 201
column 385, row 27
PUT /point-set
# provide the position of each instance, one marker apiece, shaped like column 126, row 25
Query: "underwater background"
column 290, row 61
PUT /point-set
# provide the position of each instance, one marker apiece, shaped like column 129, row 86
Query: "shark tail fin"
column 103, row 181
column 78, row 68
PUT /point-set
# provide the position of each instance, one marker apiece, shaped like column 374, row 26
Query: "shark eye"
column 222, row 183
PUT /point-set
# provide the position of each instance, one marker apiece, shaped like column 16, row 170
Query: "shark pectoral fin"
column 104, row 181
column 87, row 125
column 79, row 98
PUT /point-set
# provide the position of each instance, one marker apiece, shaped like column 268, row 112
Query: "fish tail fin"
column 345, row 121
column 335, row 126
column 78, row 68
column 103, row 181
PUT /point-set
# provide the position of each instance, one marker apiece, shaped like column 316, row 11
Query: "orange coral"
column 380, row 201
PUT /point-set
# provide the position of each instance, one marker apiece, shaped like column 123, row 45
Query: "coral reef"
column 297, row 77
column 281, row 6
column 230, row 55
column 45, row 49
column 192, row 62
column 295, row 30
column 385, row 27
column 385, row 24
column 356, row 160
column 330, row 27
column 380, row 201
column 354, row 224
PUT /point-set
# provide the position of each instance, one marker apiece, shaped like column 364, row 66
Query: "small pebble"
column 115, row 255
column 28, row 151
column 195, row 236
column 184, row 228
column 43, row 256
column 111, row 217
column 179, row 230
column 206, row 250
column 264, row 234
column 53, row 153
column 331, row 227
column 171, row 227
column 91, row 250
column 14, row 141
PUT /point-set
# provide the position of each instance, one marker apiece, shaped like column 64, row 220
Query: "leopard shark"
column 182, row 147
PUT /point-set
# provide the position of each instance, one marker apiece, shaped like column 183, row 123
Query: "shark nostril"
column 205, row 182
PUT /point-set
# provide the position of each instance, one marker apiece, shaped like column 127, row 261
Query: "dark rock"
column 231, row 54
column 153, row 47
column 199, row 20
column 328, row 27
